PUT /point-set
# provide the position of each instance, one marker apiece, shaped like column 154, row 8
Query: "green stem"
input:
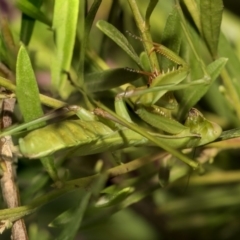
column 14, row 214
column 63, row 112
column 134, row 165
column 152, row 4
column 48, row 101
column 213, row 178
column 145, row 35
column 172, row 87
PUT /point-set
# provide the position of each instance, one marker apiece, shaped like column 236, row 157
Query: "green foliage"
column 119, row 39
column 26, row 88
column 134, row 125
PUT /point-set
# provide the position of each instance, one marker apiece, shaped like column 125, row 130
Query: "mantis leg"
column 107, row 113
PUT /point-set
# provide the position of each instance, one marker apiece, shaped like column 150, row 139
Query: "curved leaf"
column 108, row 79
column 152, row 4
column 119, row 39
column 91, row 15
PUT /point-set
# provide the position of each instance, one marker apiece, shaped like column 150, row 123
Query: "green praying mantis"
column 90, row 135
column 101, row 129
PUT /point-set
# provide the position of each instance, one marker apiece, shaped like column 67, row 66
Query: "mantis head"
column 198, row 124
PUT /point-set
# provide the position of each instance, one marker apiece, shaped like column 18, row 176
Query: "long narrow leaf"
column 196, row 93
column 211, row 17
column 27, row 89
column 171, row 37
column 28, row 23
column 71, row 219
column 64, row 26
column 70, row 229
column 152, row 4
column 119, row 39
column 91, row 15
column 32, row 11
column 108, row 79
column 83, row 40
column 194, row 10
column 29, row 100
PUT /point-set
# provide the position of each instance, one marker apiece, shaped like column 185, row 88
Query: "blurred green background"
column 195, row 207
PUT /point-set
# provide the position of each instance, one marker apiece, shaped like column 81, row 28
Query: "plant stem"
column 81, row 183
column 48, row 101
column 145, row 35
column 9, row 187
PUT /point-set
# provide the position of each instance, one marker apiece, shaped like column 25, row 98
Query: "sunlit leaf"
column 64, row 27
column 27, row 90
column 29, row 101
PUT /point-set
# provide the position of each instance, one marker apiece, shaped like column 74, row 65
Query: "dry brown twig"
column 10, row 190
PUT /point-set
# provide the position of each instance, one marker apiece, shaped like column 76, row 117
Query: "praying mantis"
column 93, row 134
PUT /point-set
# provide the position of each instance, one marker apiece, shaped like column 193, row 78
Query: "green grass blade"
column 190, row 40
column 91, row 16
column 171, row 38
column 27, row 89
column 27, row 24
column 144, row 31
column 32, row 11
column 47, row 101
column 211, row 17
column 119, row 39
column 70, row 221
column 70, row 229
column 152, row 4
column 193, row 48
column 84, row 27
column 82, row 37
column 64, row 26
column 194, row 9
column 8, row 50
column 14, row 214
column 29, row 101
